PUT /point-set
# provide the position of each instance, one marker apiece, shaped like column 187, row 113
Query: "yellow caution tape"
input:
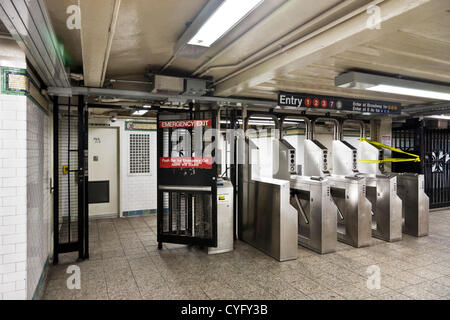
column 378, row 144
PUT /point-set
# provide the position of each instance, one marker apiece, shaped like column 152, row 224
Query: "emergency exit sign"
column 301, row 101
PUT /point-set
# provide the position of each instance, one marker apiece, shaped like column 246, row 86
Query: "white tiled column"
column 13, row 175
column 13, row 197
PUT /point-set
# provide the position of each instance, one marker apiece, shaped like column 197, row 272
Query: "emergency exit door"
column 70, row 147
column 187, row 178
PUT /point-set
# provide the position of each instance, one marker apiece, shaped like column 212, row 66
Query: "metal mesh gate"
column 433, row 146
column 436, row 144
column 70, row 220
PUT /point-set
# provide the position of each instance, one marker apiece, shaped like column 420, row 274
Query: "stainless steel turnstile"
column 411, row 189
column 310, row 194
column 381, row 190
column 267, row 220
column 317, row 225
column 347, row 191
column 382, row 193
column 353, row 208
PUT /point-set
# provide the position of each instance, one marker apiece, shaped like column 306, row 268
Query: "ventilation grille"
column 139, row 156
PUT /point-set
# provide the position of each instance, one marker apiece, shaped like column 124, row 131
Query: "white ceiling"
column 252, row 60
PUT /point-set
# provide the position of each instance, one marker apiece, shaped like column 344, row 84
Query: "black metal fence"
column 433, row 146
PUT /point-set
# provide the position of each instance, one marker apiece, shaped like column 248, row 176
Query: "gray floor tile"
column 125, row 263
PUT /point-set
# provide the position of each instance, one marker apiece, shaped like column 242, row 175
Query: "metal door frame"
column 82, row 244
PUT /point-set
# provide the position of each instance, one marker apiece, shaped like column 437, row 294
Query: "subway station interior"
column 224, row 150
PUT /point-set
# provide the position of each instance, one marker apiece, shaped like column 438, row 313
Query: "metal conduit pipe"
column 308, row 126
column 294, row 43
column 337, row 134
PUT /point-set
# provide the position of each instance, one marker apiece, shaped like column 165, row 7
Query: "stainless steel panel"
column 225, row 238
column 386, row 207
column 270, row 223
column 345, row 159
column 416, row 204
column 284, row 160
column 315, row 159
column 369, row 152
column 267, row 221
column 354, row 210
column 317, row 221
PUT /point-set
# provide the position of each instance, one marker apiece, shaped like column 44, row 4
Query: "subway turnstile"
column 267, row 220
column 317, row 225
column 382, row 193
column 411, row 189
column 348, row 192
column 310, row 193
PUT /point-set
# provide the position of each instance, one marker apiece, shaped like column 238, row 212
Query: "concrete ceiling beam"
column 98, row 25
column 394, row 14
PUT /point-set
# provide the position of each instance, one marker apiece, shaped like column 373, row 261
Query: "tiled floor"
column 126, row 264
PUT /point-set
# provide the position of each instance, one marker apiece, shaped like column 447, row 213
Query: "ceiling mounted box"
column 166, row 84
column 195, row 87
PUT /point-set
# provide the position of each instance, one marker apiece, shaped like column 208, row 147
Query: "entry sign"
column 289, row 100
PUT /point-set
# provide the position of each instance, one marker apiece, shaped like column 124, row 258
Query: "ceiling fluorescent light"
column 139, row 112
column 228, row 15
column 365, row 81
column 411, row 92
column 261, row 123
column 441, row 117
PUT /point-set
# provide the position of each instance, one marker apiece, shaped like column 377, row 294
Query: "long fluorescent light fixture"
column 228, row 15
column 365, row 81
column 441, row 117
column 139, row 112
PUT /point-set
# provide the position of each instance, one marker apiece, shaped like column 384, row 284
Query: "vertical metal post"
column 55, row 180
column 81, row 190
column 69, row 231
column 86, row 181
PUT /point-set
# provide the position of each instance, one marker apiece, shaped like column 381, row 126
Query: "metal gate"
column 436, row 143
column 187, row 178
column 433, row 146
column 70, row 147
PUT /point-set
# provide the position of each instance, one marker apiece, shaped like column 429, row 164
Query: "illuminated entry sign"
column 185, row 123
column 300, row 101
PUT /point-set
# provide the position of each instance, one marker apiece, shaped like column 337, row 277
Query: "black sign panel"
column 311, row 101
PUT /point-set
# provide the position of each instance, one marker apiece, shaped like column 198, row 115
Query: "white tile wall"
column 137, row 192
column 13, row 197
